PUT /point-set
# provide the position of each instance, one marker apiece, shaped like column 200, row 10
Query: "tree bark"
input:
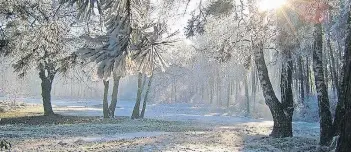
column 46, row 85
column 105, row 100
column 287, row 98
column 345, row 134
column 322, row 93
column 146, row 96
column 281, row 127
column 136, row 114
column 325, row 67
column 340, row 107
column 113, row 103
column 333, row 68
column 301, row 77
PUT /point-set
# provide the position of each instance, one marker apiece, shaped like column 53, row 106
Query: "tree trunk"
column 219, row 92
column 281, row 127
column 211, row 86
column 247, row 94
column 301, row 77
column 340, row 107
column 333, row 68
column 345, row 134
column 46, row 85
column 325, row 68
column 237, row 91
column 229, row 90
column 105, row 100
column 339, row 113
column 135, row 114
column 253, row 88
column 307, row 78
column 322, row 93
column 113, row 103
column 146, row 96
column 287, row 98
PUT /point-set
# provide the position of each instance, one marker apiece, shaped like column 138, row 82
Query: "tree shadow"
column 55, row 119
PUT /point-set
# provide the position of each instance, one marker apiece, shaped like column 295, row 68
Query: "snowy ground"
column 170, row 127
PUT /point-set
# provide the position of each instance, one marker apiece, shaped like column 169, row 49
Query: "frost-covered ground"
column 169, row 127
column 174, row 112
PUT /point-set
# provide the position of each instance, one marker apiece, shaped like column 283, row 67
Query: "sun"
column 267, row 5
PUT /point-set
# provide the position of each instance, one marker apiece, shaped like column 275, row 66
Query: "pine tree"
column 38, row 39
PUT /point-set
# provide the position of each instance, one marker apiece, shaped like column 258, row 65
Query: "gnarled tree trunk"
column 46, row 86
column 282, row 124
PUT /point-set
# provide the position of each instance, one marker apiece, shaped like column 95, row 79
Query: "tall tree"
column 322, row 92
column 282, row 122
column 258, row 30
column 345, row 134
column 38, row 37
column 282, row 111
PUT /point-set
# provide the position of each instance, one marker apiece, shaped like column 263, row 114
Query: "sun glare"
column 267, row 5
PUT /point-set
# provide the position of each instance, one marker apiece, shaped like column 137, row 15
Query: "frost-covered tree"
column 345, row 135
column 38, row 36
column 345, row 99
column 149, row 44
column 133, row 45
column 250, row 33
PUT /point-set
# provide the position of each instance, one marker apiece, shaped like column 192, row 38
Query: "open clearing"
column 172, row 129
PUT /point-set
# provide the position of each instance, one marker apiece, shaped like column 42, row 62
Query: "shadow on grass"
column 58, row 119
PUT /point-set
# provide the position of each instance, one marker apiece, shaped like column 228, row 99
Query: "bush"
column 5, row 145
